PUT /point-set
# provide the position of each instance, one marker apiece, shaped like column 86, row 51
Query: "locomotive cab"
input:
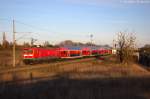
column 28, row 53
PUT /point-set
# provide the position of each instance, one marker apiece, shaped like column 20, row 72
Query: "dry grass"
column 93, row 69
column 103, row 69
column 95, row 79
column 6, row 57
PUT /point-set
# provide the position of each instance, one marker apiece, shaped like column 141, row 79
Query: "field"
column 89, row 78
column 6, row 57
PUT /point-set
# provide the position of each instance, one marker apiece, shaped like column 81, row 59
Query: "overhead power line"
column 35, row 27
column 29, row 25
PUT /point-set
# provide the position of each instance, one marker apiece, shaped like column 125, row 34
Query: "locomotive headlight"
column 28, row 55
column 25, row 55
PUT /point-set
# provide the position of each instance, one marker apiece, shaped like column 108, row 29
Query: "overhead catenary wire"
column 35, row 27
column 30, row 26
column 42, row 30
column 22, row 36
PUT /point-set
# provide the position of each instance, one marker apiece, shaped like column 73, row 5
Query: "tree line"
column 6, row 44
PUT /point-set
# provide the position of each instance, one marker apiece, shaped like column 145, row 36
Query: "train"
column 36, row 55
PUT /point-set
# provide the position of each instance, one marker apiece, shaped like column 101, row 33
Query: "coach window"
column 65, row 52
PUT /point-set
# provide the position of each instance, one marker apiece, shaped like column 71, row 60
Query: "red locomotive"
column 32, row 55
column 38, row 54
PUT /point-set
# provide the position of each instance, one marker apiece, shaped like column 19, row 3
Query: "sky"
column 58, row 20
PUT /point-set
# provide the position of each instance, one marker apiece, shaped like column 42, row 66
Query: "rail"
column 30, row 72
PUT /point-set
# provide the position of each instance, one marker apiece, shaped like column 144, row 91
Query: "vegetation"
column 6, row 57
column 92, row 79
column 47, row 44
column 72, row 43
column 145, row 55
column 126, row 47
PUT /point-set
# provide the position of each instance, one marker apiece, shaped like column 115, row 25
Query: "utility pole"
column 114, row 44
column 4, row 40
column 91, row 37
column 14, row 45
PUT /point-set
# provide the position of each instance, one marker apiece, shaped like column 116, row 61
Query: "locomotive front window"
column 28, row 51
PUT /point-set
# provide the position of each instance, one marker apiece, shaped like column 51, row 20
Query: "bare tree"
column 47, row 44
column 5, row 43
column 126, row 47
column 66, row 43
column 26, row 44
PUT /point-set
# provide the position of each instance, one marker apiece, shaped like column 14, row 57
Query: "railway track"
column 42, row 66
column 37, row 71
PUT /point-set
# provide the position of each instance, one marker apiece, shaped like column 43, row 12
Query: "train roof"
column 83, row 47
column 73, row 48
column 34, row 48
